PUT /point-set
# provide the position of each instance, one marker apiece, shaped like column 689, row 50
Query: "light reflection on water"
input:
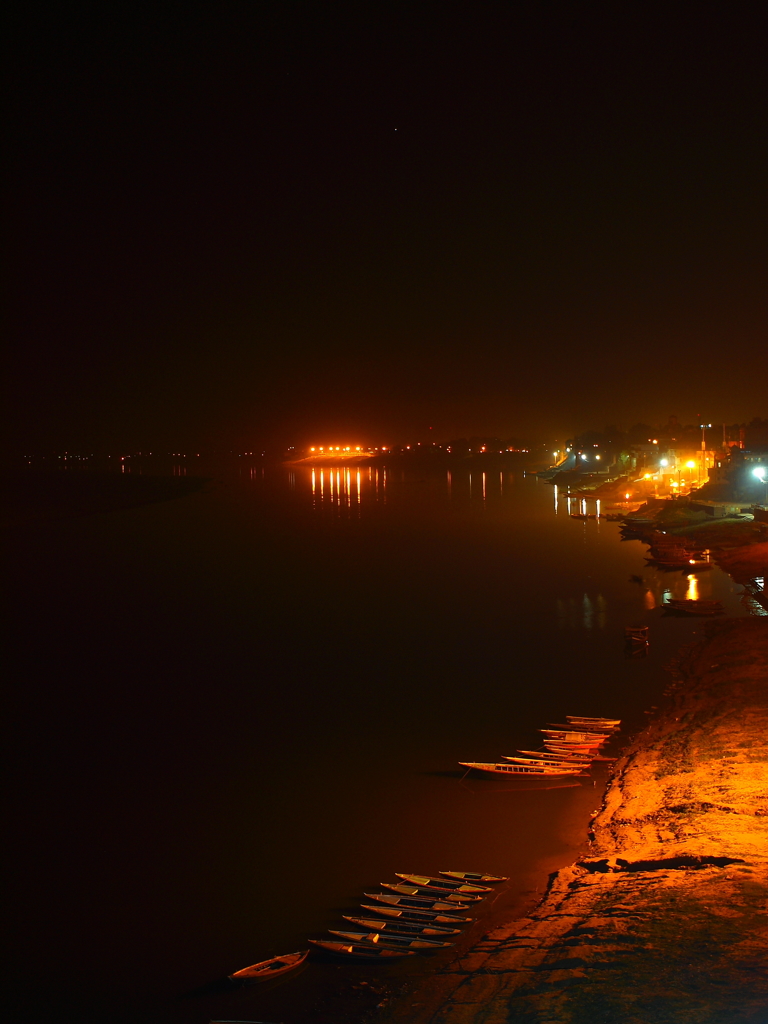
column 276, row 715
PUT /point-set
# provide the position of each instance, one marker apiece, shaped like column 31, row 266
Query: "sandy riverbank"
column 664, row 921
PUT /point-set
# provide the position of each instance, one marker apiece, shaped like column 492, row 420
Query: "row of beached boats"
column 417, row 914
column 569, row 749
column 420, row 914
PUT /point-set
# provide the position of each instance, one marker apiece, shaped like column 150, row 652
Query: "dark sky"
column 231, row 222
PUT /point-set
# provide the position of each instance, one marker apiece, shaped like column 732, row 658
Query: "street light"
column 760, row 473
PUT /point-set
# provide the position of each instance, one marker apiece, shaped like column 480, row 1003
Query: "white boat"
column 270, row 968
column 415, row 903
column 474, row 876
column 428, row 892
column 554, row 757
column 360, row 951
column 390, row 941
column 518, row 769
column 409, row 914
column 594, row 738
column 561, row 747
column 374, row 924
column 444, row 883
column 542, row 763
column 610, row 723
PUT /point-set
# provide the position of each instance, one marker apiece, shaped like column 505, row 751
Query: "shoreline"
column 664, row 919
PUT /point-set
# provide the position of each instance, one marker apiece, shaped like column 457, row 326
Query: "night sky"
column 237, row 223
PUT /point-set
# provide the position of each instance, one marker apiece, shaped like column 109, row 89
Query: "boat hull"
column 406, row 914
column 352, row 951
column 401, row 928
column 474, row 876
column 426, row 891
column 269, row 968
column 390, row 941
column 444, row 884
column 415, row 903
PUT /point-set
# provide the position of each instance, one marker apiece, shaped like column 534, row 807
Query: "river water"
column 237, row 712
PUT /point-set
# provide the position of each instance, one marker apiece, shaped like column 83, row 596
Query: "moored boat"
column 595, row 738
column 426, row 891
column 270, row 968
column 414, row 903
column 695, row 607
column 560, row 747
column 360, row 952
column 474, row 876
column 525, row 759
column 390, row 941
column 443, row 883
column 554, row 757
column 401, row 927
column 416, row 915
column 519, row 769
column 613, row 723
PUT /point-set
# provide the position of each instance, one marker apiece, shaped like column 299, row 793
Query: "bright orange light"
column 691, row 464
column 312, row 449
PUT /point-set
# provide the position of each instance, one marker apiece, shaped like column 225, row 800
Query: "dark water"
column 236, row 712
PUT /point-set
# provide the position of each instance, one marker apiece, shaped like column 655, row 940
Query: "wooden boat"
column 413, row 903
column 568, row 736
column 401, row 928
column 579, row 719
column 543, row 762
column 560, row 747
column 554, row 757
column 360, row 952
column 695, row 607
column 474, row 876
column 600, row 731
column 426, row 891
column 435, row 917
column 443, row 883
column 269, row 968
column 390, row 941
column 518, row 769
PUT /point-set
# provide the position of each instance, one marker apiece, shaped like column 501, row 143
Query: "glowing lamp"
column 759, row 472
column 691, row 465
column 664, row 462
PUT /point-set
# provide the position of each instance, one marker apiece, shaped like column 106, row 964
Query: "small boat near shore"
column 542, row 762
column 269, row 968
column 561, row 747
column 695, row 607
column 427, row 891
column 519, row 769
column 374, row 924
column 474, row 876
column 416, row 903
column 404, row 914
column 609, row 723
column 444, row 884
column 555, row 758
column 390, row 941
column 360, row 952
column 594, row 739
column 599, row 731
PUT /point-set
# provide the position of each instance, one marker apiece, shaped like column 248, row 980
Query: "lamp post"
column 760, row 473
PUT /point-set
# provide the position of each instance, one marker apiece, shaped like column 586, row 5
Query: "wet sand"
column 664, row 920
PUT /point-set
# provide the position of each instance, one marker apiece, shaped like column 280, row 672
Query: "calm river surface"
column 240, row 710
